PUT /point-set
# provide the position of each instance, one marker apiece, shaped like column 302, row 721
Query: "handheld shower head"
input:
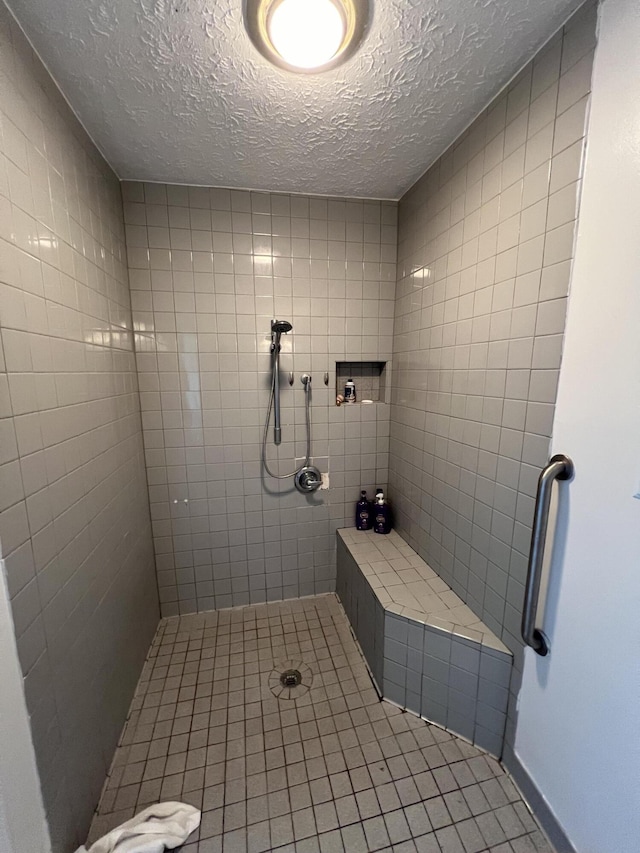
column 280, row 326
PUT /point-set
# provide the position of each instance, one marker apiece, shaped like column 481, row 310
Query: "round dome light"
column 306, row 35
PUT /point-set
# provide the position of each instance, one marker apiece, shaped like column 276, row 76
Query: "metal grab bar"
column 560, row 467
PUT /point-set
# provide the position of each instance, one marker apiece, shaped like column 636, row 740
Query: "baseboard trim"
column 537, row 803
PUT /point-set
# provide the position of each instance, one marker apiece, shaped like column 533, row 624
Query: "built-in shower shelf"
column 370, row 378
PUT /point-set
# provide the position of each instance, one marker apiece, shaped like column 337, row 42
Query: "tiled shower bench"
column 427, row 651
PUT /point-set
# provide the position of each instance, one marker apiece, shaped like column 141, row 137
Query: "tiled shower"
column 75, row 526
column 485, row 245
column 134, row 322
column 209, row 269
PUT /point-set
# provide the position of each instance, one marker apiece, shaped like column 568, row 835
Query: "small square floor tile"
column 334, row 769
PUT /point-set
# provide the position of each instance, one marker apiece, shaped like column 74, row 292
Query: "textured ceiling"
column 174, row 91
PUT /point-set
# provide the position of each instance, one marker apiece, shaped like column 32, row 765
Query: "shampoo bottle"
column 349, row 391
column 381, row 515
column 363, row 513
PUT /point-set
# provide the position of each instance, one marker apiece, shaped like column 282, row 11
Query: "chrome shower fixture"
column 307, row 477
column 278, row 328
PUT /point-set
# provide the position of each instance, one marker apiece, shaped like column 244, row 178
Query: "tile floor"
column 321, row 767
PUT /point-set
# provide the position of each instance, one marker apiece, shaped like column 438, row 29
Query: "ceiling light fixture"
column 306, row 35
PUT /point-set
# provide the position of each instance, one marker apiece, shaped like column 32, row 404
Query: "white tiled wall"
column 74, row 520
column 485, row 248
column 209, row 269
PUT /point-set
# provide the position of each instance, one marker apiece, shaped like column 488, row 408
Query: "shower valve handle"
column 308, row 479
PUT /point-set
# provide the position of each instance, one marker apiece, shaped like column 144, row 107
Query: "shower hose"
column 307, row 404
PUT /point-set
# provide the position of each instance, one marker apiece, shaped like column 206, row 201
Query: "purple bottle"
column 363, row 513
column 381, row 515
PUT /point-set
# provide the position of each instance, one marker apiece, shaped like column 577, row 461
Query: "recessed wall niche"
column 370, row 378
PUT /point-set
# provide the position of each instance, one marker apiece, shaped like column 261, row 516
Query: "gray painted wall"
column 209, row 268
column 485, row 250
column 74, row 519
column 23, row 824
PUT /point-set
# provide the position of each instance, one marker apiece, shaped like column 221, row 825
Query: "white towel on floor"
column 164, row 826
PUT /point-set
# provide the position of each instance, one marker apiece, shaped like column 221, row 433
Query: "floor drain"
column 290, row 678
